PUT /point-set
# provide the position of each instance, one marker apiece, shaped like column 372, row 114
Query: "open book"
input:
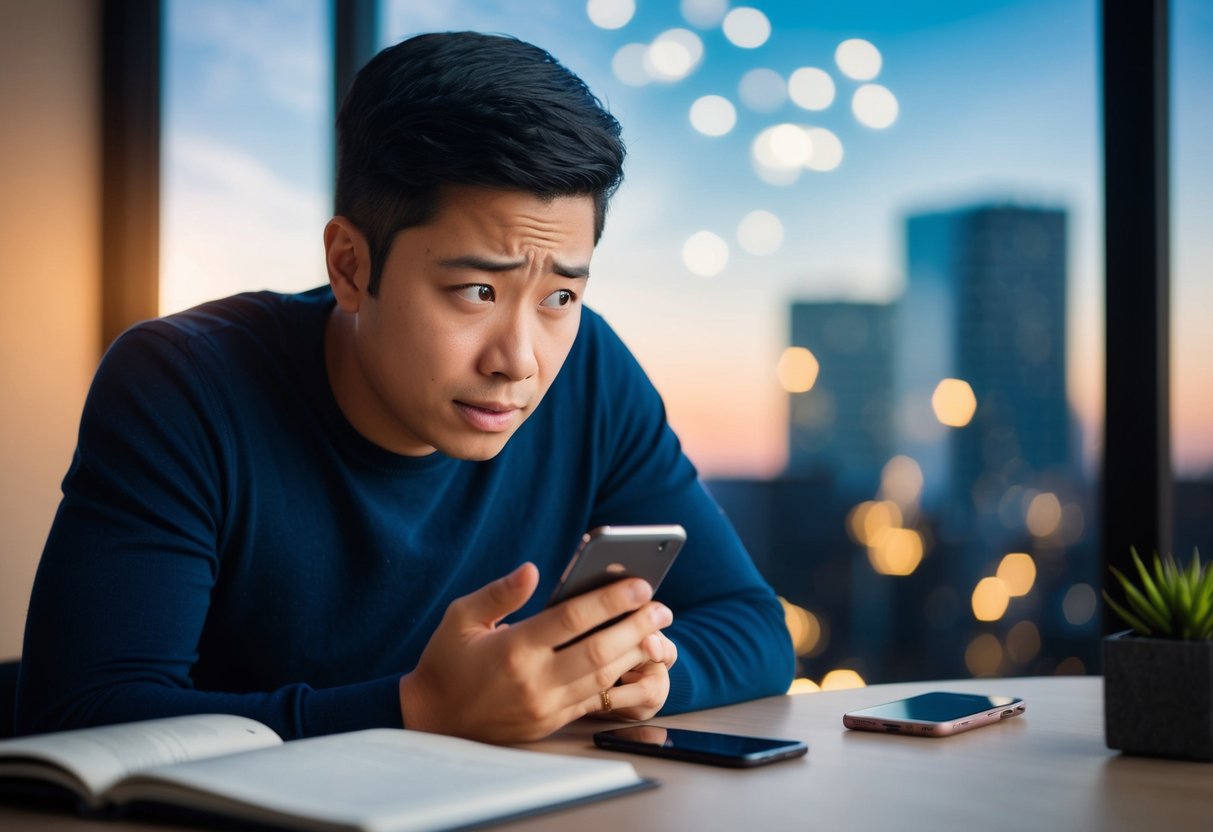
column 380, row 780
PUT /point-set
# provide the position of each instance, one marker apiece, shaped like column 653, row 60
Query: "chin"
column 480, row 449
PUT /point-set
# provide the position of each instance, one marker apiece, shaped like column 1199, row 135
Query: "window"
column 1192, row 291
column 247, row 147
column 858, row 251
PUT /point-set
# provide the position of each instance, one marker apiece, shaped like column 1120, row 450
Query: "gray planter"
column 1158, row 696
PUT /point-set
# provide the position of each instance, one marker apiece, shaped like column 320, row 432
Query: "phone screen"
column 699, row 746
column 937, row 707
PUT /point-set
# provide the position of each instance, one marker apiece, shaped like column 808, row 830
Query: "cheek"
column 555, row 348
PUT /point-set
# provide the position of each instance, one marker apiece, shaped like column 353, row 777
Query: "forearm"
column 293, row 711
column 729, row 651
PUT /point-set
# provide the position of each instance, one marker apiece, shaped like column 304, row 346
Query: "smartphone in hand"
column 935, row 714
column 731, row 750
column 612, row 553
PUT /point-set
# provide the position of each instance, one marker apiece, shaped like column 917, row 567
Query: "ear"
column 348, row 258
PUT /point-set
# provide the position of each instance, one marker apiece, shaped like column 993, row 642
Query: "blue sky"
column 998, row 100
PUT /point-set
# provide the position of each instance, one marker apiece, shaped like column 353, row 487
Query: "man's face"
column 476, row 313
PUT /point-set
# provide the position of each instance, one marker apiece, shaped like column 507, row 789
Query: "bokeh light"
column 858, row 59
column 782, row 146
column 1044, row 515
column 990, row 599
column 874, row 106
column 825, row 149
column 842, row 679
column 803, row 685
column 797, row 370
column 901, row 481
column 762, row 90
column 1018, row 572
column 953, row 402
column 1023, row 642
column 746, row 27
column 610, row 14
column 705, row 253
column 713, row 115
column 673, row 55
column 1079, row 604
column 811, row 88
column 871, row 520
column 1071, row 666
column 896, row 552
column 704, row 14
column 803, row 627
column 760, row 233
column 983, row 655
column 628, row 64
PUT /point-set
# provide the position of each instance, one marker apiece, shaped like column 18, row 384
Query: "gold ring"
column 605, row 696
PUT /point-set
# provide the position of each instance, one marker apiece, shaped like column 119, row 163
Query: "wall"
column 49, row 271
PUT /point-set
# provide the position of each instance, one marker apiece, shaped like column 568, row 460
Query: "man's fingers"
column 640, row 697
column 577, row 616
column 601, row 659
column 494, row 601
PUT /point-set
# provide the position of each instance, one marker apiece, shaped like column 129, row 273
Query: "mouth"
column 492, row 417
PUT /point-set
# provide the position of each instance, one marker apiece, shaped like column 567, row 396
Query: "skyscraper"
column 985, row 302
column 844, row 424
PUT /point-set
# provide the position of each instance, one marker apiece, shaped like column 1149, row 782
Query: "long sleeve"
column 127, row 576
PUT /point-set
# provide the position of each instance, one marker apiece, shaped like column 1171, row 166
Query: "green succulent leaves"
column 1172, row 601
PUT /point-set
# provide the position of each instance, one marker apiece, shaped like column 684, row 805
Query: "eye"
column 476, row 293
column 557, row 299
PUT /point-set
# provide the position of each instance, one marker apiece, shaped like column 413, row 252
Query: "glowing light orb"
column 760, row 233
column 705, row 253
column 811, row 88
column 746, row 27
column 858, row 59
column 610, row 14
column 874, row 106
column 713, row 115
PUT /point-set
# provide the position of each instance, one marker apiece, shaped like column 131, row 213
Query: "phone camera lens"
column 661, row 546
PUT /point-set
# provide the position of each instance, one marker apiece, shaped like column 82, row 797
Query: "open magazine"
column 379, row 780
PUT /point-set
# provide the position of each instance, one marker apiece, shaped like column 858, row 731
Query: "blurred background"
column 859, row 250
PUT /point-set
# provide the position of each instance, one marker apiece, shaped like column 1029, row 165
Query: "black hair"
column 464, row 108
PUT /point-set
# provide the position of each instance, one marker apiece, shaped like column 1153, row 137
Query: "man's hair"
column 463, row 108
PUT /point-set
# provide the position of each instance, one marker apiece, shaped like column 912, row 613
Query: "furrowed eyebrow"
column 483, row 264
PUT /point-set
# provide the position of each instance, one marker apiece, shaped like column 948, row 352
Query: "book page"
column 99, row 757
column 383, row 780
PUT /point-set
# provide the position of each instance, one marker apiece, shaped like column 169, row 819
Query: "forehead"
column 512, row 221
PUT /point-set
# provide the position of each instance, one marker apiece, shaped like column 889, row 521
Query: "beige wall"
column 49, row 271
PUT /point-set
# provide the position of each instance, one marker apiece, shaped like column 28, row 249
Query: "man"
column 300, row 508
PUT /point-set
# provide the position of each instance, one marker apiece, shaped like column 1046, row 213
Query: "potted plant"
column 1158, row 677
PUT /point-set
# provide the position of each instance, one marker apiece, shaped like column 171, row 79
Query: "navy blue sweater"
column 227, row 542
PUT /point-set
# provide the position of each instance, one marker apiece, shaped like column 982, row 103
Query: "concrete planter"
column 1158, row 696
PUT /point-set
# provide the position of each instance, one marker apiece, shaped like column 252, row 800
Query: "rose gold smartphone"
column 936, row 714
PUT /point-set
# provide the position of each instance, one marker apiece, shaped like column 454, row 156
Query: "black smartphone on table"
column 731, row 750
column 935, row 714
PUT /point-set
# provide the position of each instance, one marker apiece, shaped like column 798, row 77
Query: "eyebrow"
column 483, row 264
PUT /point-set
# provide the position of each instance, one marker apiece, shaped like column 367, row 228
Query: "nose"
column 510, row 349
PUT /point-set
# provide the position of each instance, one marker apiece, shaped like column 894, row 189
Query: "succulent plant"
column 1173, row 602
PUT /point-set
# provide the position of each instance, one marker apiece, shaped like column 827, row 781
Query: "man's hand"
column 485, row 680
column 643, row 689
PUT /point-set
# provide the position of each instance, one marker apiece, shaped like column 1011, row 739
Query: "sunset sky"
column 996, row 101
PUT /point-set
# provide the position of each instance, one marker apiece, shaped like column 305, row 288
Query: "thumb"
column 494, row 601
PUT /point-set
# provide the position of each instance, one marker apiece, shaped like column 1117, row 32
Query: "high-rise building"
column 844, row 424
column 985, row 303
